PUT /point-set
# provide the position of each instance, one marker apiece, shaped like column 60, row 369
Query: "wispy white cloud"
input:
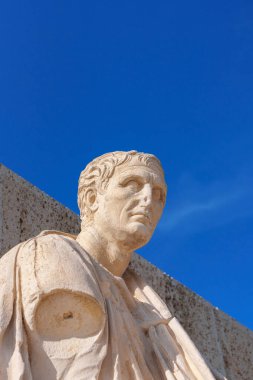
column 197, row 206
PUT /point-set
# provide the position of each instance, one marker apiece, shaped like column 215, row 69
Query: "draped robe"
column 64, row 316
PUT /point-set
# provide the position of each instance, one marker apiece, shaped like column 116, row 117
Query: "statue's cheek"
column 63, row 315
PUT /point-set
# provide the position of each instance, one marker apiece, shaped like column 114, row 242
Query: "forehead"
column 148, row 174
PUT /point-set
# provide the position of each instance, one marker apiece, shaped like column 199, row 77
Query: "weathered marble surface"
column 227, row 345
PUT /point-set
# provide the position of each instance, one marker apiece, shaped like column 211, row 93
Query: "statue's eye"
column 158, row 194
column 132, row 184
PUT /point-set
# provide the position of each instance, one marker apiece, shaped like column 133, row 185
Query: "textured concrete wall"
column 226, row 345
column 25, row 211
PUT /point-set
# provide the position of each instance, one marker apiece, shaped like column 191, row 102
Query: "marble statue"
column 70, row 307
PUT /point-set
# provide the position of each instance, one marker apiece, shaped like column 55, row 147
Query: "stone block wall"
column 25, row 211
column 226, row 345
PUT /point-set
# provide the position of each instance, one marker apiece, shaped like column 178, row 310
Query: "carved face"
column 132, row 204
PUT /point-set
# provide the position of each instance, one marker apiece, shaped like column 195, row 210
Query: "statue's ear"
column 90, row 199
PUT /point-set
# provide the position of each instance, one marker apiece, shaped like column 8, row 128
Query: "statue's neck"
column 113, row 257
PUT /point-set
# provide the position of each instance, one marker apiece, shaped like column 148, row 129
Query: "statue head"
column 122, row 193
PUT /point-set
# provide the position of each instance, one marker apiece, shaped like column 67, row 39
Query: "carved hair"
column 97, row 173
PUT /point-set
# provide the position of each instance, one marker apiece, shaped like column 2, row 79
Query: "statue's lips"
column 141, row 217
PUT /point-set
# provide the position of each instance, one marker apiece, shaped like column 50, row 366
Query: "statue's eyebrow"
column 131, row 175
column 151, row 178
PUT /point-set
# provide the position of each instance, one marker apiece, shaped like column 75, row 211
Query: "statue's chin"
column 140, row 234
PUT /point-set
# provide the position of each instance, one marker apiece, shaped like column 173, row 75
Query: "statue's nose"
column 146, row 195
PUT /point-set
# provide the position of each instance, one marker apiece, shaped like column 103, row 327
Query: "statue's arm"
column 63, row 284
column 60, row 294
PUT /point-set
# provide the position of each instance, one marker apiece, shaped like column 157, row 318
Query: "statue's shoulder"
column 48, row 244
column 46, row 240
column 51, row 239
column 56, row 234
column 54, row 253
column 52, row 257
column 50, row 269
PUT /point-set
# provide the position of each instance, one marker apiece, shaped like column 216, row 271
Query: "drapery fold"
column 138, row 340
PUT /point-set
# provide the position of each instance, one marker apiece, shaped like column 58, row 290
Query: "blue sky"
column 78, row 79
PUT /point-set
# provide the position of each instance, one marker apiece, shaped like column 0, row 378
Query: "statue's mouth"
column 141, row 216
